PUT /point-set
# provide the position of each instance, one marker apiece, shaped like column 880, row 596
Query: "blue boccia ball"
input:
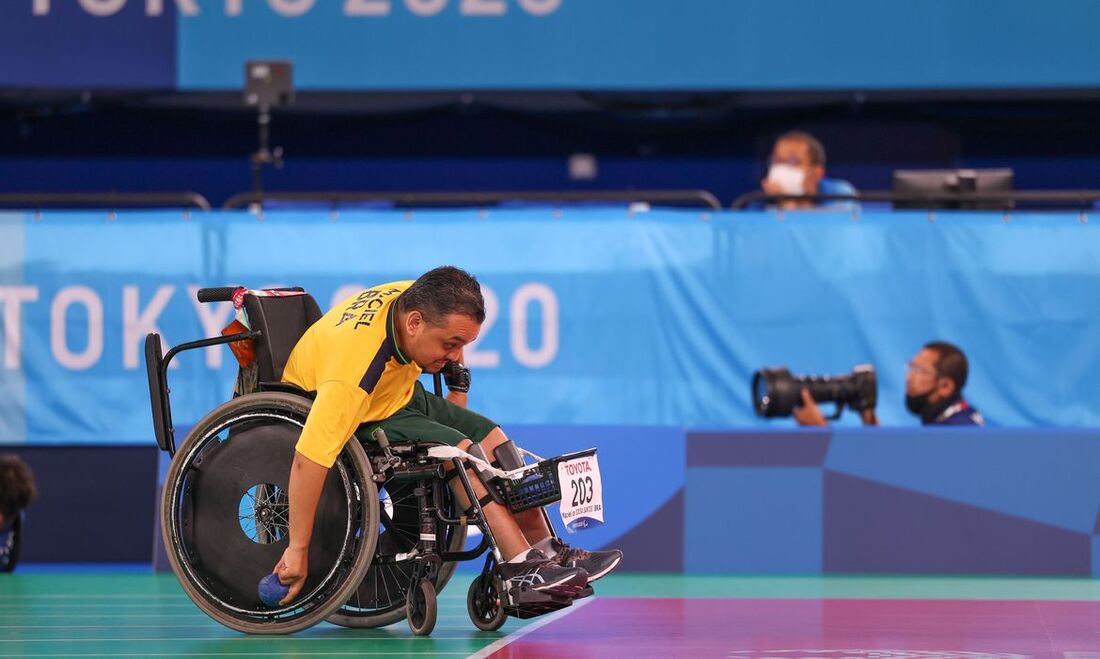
column 272, row 590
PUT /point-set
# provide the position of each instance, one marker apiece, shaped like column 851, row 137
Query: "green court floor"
column 103, row 614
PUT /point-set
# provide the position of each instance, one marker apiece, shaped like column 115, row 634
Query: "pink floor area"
column 782, row 628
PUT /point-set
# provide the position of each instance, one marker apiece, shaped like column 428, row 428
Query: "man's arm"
column 307, row 478
column 809, row 414
column 332, row 420
column 869, row 417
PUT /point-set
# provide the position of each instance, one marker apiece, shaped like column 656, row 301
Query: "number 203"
column 582, row 490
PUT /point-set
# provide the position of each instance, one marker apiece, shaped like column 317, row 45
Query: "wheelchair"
column 388, row 532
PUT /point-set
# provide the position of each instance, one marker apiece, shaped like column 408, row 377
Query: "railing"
column 1084, row 199
column 690, row 198
column 113, row 200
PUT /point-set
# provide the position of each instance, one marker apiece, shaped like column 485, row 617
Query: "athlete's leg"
column 531, row 522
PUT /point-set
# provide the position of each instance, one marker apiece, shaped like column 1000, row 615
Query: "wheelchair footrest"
column 525, row 603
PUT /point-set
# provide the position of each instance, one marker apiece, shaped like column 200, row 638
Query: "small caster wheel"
column 421, row 608
column 483, row 603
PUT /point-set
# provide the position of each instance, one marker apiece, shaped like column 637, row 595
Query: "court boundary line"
column 502, row 643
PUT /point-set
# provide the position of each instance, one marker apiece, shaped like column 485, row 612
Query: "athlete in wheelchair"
column 363, row 532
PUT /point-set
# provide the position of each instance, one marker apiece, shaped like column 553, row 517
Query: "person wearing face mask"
column 933, row 391
column 797, row 167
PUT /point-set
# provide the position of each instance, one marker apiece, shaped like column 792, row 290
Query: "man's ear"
column 414, row 321
column 945, row 387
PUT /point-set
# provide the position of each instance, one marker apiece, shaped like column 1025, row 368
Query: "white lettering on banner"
column 102, row 7
column 291, row 8
column 136, row 324
column 425, row 7
column 13, row 298
column 540, row 7
column 59, row 345
column 367, row 7
column 186, row 7
column 483, row 7
column 296, row 8
column 213, row 316
column 581, row 493
column 544, row 295
column 476, row 358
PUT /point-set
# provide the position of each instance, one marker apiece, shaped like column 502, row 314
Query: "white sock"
column 520, row 557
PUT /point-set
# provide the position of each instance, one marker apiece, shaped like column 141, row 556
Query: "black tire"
column 381, row 597
column 422, row 609
column 483, row 603
column 223, row 516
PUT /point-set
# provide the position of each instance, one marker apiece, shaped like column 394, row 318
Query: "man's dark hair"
column 16, row 486
column 951, row 362
column 444, row 291
column 817, row 150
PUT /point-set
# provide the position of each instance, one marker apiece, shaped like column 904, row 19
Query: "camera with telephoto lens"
column 775, row 392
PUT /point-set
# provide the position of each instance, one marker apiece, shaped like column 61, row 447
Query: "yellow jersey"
column 351, row 359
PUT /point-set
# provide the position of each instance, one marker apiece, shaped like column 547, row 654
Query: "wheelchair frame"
column 488, row 603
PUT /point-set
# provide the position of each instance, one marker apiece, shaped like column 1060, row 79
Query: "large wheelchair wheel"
column 381, row 596
column 225, row 516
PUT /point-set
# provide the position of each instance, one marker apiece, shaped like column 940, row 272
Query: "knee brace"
column 508, row 456
column 508, row 459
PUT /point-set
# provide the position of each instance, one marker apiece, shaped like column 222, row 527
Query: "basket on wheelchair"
column 387, row 532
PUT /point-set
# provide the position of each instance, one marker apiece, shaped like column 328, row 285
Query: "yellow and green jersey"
column 351, row 359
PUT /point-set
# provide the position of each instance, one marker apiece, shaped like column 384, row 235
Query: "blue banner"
column 552, row 44
column 598, row 317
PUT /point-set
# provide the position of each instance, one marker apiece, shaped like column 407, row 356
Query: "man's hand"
column 457, row 377
column 292, row 569
column 869, row 417
column 809, row 414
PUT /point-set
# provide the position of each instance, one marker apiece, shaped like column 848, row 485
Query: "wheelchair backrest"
column 282, row 321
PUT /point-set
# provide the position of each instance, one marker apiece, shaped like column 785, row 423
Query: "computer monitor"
column 948, row 181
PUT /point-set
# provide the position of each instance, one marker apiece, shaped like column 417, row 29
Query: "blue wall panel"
column 990, row 502
column 762, row 520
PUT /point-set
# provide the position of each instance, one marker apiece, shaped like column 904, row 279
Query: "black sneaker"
column 541, row 574
column 596, row 563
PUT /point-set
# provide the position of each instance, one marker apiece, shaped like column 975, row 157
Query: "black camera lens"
column 775, row 392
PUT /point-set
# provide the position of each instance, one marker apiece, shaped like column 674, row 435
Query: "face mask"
column 790, row 179
column 917, row 404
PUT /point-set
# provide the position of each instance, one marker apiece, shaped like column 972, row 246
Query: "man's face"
column 796, row 153
column 923, row 378
column 432, row 346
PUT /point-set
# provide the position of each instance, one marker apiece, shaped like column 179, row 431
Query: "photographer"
column 933, row 391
